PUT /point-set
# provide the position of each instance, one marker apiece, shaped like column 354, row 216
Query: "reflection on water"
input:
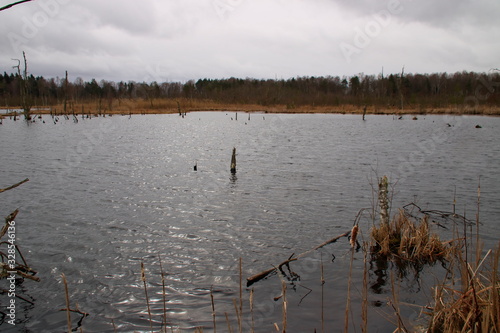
column 108, row 193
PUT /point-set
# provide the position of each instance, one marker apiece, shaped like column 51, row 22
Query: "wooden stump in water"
column 233, row 161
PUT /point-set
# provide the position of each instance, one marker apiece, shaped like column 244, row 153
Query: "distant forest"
column 436, row 90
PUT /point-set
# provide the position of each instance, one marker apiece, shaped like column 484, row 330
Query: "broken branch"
column 257, row 277
column 13, row 186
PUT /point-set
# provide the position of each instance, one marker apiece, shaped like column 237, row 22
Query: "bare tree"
column 23, row 77
column 13, row 4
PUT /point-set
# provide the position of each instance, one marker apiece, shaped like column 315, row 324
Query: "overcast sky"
column 179, row 40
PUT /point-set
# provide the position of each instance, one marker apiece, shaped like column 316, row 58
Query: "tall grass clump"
column 404, row 238
column 472, row 304
column 467, row 299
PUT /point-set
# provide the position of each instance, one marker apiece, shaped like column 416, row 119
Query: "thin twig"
column 5, row 291
column 240, row 322
column 322, row 296
column 66, row 293
column 8, row 221
column 213, row 308
column 143, row 278
column 251, row 311
column 163, row 294
column 348, row 302
column 228, row 323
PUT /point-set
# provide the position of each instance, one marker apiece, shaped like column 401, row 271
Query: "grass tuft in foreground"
column 408, row 239
column 468, row 299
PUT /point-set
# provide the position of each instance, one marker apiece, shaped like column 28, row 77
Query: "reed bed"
column 468, row 299
column 407, row 239
column 183, row 104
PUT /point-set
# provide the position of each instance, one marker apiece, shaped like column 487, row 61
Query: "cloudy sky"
column 179, row 40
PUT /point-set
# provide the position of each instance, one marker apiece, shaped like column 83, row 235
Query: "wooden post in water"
column 233, row 162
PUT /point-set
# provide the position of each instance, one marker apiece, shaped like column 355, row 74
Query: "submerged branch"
column 13, row 186
column 257, row 277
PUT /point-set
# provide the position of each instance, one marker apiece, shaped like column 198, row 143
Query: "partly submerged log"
column 257, row 277
column 13, row 186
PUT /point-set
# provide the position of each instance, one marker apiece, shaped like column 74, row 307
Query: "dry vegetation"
column 468, row 299
column 406, row 239
column 166, row 106
column 437, row 93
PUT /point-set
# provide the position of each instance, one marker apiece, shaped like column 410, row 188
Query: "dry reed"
column 213, row 309
column 164, row 295
column 66, row 294
column 322, row 296
column 143, row 278
column 473, row 305
column 407, row 239
column 364, row 303
column 252, row 329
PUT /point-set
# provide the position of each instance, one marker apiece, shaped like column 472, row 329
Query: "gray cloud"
column 189, row 39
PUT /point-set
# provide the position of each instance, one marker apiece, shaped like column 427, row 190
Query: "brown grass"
column 408, row 239
column 171, row 105
column 468, row 299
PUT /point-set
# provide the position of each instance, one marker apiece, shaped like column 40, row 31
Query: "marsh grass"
column 174, row 105
column 408, row 241
column 468, row 298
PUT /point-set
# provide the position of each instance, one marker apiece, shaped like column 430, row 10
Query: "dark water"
column 106, row 194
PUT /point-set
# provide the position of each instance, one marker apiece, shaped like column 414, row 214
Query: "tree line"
column 391, row 91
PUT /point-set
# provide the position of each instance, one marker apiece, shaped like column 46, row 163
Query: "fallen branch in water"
column 11, row 217
column 13, row 186
column 257, row 277
column 5, row 292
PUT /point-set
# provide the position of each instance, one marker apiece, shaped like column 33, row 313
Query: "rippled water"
column 106, row 194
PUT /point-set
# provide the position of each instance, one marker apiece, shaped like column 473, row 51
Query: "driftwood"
column 13, row 186
column 257, row 277
column 13, row 266
column 8, row 220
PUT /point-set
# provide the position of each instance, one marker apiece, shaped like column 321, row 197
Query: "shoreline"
column 187, row 106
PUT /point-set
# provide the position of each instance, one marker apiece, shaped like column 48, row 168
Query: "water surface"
column 106, row 194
